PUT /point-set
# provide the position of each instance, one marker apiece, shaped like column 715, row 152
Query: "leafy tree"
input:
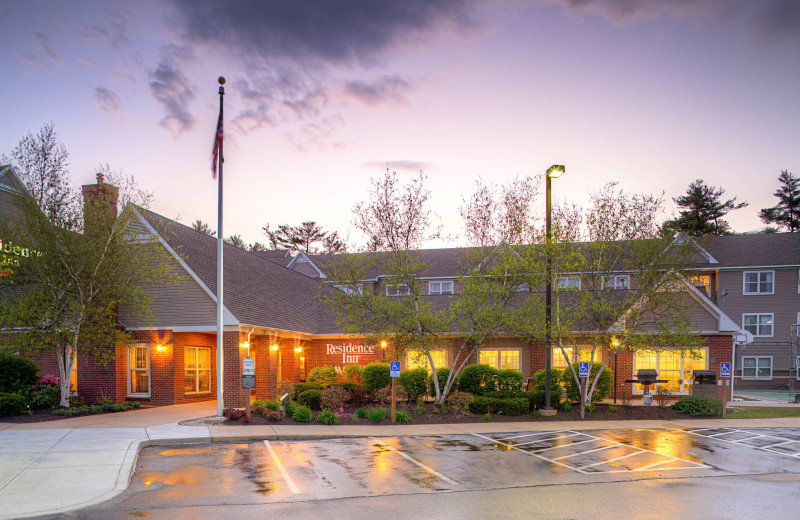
column 236, row 240
column 787, row 212
column 199, row 225
column 704, row 210
column 65, row 287
column 631, row 294
column 303, row 237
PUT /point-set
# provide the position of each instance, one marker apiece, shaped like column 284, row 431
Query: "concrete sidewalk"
column 59, row 466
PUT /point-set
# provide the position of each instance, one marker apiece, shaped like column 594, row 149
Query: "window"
column 139, row 370
column 583, row 356
column 397, row 290
column 759, row 282
column 557, row 357
column 420, row 360
column 702, row 282
column 73, row 376
column 440, row 287
column 570, row 283
column 758, row 324
column 797, row 368
column 756, row 367
column 351, row 289
column 197, row 373
column 675, row 366
column 617, row 282
column 500, row 359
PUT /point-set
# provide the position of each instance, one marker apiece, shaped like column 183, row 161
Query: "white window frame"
column 797, row 368
column 612, row 282
column 197, row 370
column 351, row 289
column 498, row 350
column 758, row 282
column 567, row 282
column 685, row 384
column 756, row 377
column 439, row 287
column 128, row 371
column 423, row 356
column 398, row 292
column 758, row 323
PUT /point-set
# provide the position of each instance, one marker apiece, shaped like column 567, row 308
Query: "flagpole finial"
column 221, row 80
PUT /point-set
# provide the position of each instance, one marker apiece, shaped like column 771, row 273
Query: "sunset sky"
column 322, row 95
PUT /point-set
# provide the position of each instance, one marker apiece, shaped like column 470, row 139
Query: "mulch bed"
column 428, row 416
column 43, row 415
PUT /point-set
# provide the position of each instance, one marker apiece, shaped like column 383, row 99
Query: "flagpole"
column 220, row 328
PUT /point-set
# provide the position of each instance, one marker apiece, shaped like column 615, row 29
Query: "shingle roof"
column 769, row 249
column 257, row 291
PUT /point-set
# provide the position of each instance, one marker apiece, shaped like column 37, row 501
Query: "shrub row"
column 695, row 405
column 512, row 406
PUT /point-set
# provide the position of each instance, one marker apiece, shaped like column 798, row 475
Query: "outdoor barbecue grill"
column 646, row 377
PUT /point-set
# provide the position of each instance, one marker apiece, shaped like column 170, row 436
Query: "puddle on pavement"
column 181, row 476
column 251, row 461
column 185, row 452
column 664, row 442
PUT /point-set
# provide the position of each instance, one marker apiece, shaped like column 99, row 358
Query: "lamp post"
column 553, row 172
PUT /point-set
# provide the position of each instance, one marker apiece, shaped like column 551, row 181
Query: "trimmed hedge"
column 535, row 399
column 375, row 376
column 269, row 404
column 11, row 404
column 415, row 381
column 299, row 388
column 601, row 391
column 16, row 372
column 478, row 379
column 325, row 375
column 347, row 386
column 509, row 380
column 483, row 405
column 695, row 405
column 310, row 398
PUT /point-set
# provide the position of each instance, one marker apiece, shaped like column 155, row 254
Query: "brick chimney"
column 99, row 204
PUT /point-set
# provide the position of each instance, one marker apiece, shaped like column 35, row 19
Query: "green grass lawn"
column 764, row 413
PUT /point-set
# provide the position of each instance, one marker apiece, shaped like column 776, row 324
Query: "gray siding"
column 702, row 320
column 304, row 268
column 182, row 305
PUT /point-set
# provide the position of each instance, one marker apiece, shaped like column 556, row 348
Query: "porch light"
column 274, row 348
column 383, row 345
column 615, row 342
column 298, row 349
column 159, row 347
column 246, row 344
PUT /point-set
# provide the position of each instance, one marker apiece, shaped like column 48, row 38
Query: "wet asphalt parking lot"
column 256, row 478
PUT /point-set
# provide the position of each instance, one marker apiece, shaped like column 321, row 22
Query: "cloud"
column 316, row 135
column 89, row 62
column 414, row 166
column 372, row 93
column 170, row 86
column 107, row 100
column 780, row 20
column 49, row 48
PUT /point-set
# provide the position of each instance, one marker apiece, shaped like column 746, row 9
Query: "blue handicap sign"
column 394, row 368
column 724, row 370
column 583, row 369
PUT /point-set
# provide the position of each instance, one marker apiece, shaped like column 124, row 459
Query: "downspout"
column 733, row 365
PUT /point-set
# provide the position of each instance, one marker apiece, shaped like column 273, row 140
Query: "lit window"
column 139, row 370
column 757, row 367
column 759, row 282
column 569, row 283
column 351, row 289
column 73, row 375
column 397, row 290
column 500, row 359
column 758, row 324
column 676, row 366
column 420, row 360
column 702, row 282
column 557, row 357
column 440, row 287
column 197, row 369
column 617, row 282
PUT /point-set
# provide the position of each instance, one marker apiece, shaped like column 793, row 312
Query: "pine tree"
column 199, row 225
column 704, row 210
column 787, row 212
column 303, row 237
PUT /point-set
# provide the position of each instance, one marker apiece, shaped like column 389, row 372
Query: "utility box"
column 704, row 383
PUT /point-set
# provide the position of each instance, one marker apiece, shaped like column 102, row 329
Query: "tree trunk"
column 64, row 369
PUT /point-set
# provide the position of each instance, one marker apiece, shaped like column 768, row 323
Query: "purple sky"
column 321, row 95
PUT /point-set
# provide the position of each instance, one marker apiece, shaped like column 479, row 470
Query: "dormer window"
column 440, row 287
column 400, row 289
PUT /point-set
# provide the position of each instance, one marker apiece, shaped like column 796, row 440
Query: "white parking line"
column 532, row 454
column 547, row 439
column 570, row 444
column 584, row 452
column 418, row 463
column 766, row 447
column 612, row 460
column 530, row 435
column 286, row 477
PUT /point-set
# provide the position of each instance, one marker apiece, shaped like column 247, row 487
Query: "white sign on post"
column 394, row 368
column 583, row 369
column 248, row 366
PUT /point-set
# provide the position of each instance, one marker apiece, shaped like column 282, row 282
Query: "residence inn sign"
column 349, row 352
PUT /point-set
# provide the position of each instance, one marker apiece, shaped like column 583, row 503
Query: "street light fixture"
column 553, row 172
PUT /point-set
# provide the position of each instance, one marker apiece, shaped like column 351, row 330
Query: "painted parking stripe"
column 418, row 463
column 585, row 452
column 547, row 439
column 766, row 447
column 530, row 435
column 285, row 474
column 532, row 454
column 571, row 444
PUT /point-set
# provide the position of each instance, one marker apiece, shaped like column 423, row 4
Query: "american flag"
column 217, row 145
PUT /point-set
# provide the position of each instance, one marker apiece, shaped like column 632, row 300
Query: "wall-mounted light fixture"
column 298, row 349
column 273, row 348
column 159, row 347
